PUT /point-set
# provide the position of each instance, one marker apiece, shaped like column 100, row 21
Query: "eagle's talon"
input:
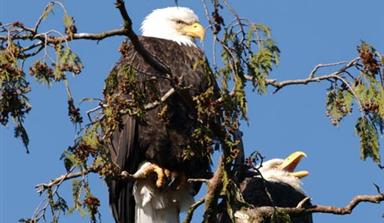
column 161, row 176
column 164, row 177
column 171, row 182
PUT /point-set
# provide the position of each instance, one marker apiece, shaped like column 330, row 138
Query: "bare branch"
column 192, row 209
column 201, row 180
column 57, row 181
column 262, row 213
column 31, row 34
column 313, row 73
column 214, row 188
column 59, row 39
column 311, row 77
column 149, row 58
column 168, row 94
column 349, row 208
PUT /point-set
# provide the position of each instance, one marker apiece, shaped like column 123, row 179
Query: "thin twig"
column 44, row 186
column 42, row 17
column 317, row 67
column 89, row 112
column 192, row 209
column 310, row 79
column 75, row 36
column 198, row 180
column 168, row 94
column 124, row 175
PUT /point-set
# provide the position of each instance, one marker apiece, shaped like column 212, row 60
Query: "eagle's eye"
column 180, row 22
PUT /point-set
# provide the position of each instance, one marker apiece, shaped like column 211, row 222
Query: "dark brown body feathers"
column 163, row 133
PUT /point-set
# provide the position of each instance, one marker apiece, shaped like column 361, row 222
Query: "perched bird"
column 158, row 140
column 282, row 183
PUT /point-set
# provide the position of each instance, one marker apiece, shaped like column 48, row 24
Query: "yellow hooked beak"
column 292, row 161
column 195, row 30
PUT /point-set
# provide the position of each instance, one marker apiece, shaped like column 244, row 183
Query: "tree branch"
column 311, row 77
column 75, row 36
column 31, row 34
column 124, row 175
column 168, row 94
column 263, row 213
column 192, row 209
column 214, row 188
column 149, row 58
column 57, row 181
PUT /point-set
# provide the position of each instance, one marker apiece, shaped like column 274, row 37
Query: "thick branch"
column 262, row 213
column 136, row 42
column 214, row 188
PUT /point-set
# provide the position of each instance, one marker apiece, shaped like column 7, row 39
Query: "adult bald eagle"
column 282, row 183
column 157, row 141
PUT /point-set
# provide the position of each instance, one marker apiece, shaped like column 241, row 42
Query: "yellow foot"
column 148, row 168
column 175, row 179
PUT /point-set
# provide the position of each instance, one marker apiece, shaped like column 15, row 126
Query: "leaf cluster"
column 365, row 89
column 248, row 54
column 369, row 87
column 14, row 88
column 21, row 44
column 122, row 96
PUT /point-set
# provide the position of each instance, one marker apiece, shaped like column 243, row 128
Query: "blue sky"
column 308, row 32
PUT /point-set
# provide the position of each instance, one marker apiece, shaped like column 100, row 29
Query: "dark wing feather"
column 124, row 155
column 283, row 195
column 254, row 189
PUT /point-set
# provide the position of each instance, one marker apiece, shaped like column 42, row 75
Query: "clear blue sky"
column 308, row 32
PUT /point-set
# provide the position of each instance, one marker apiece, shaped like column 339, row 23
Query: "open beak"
column 195, row 30
column 291, row 162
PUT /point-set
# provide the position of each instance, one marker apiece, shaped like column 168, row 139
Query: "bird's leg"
column 164, row 177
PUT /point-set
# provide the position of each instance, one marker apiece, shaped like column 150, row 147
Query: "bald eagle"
column 157, row 141
column 276, row 183
column 281, row 181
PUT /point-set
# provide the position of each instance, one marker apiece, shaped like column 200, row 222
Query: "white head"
column 173, row 23
column 282, row 170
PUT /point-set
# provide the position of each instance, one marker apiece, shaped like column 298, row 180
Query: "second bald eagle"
column 283, row 184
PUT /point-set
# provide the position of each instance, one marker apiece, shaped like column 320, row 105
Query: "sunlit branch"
column 192, row 209
column 214, row 187
column 261, row 213
column 124, row 176
column 128, row 31
column 311, row 77
column 67, row 176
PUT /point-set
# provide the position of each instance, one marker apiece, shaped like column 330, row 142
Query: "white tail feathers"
column 157, row 206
